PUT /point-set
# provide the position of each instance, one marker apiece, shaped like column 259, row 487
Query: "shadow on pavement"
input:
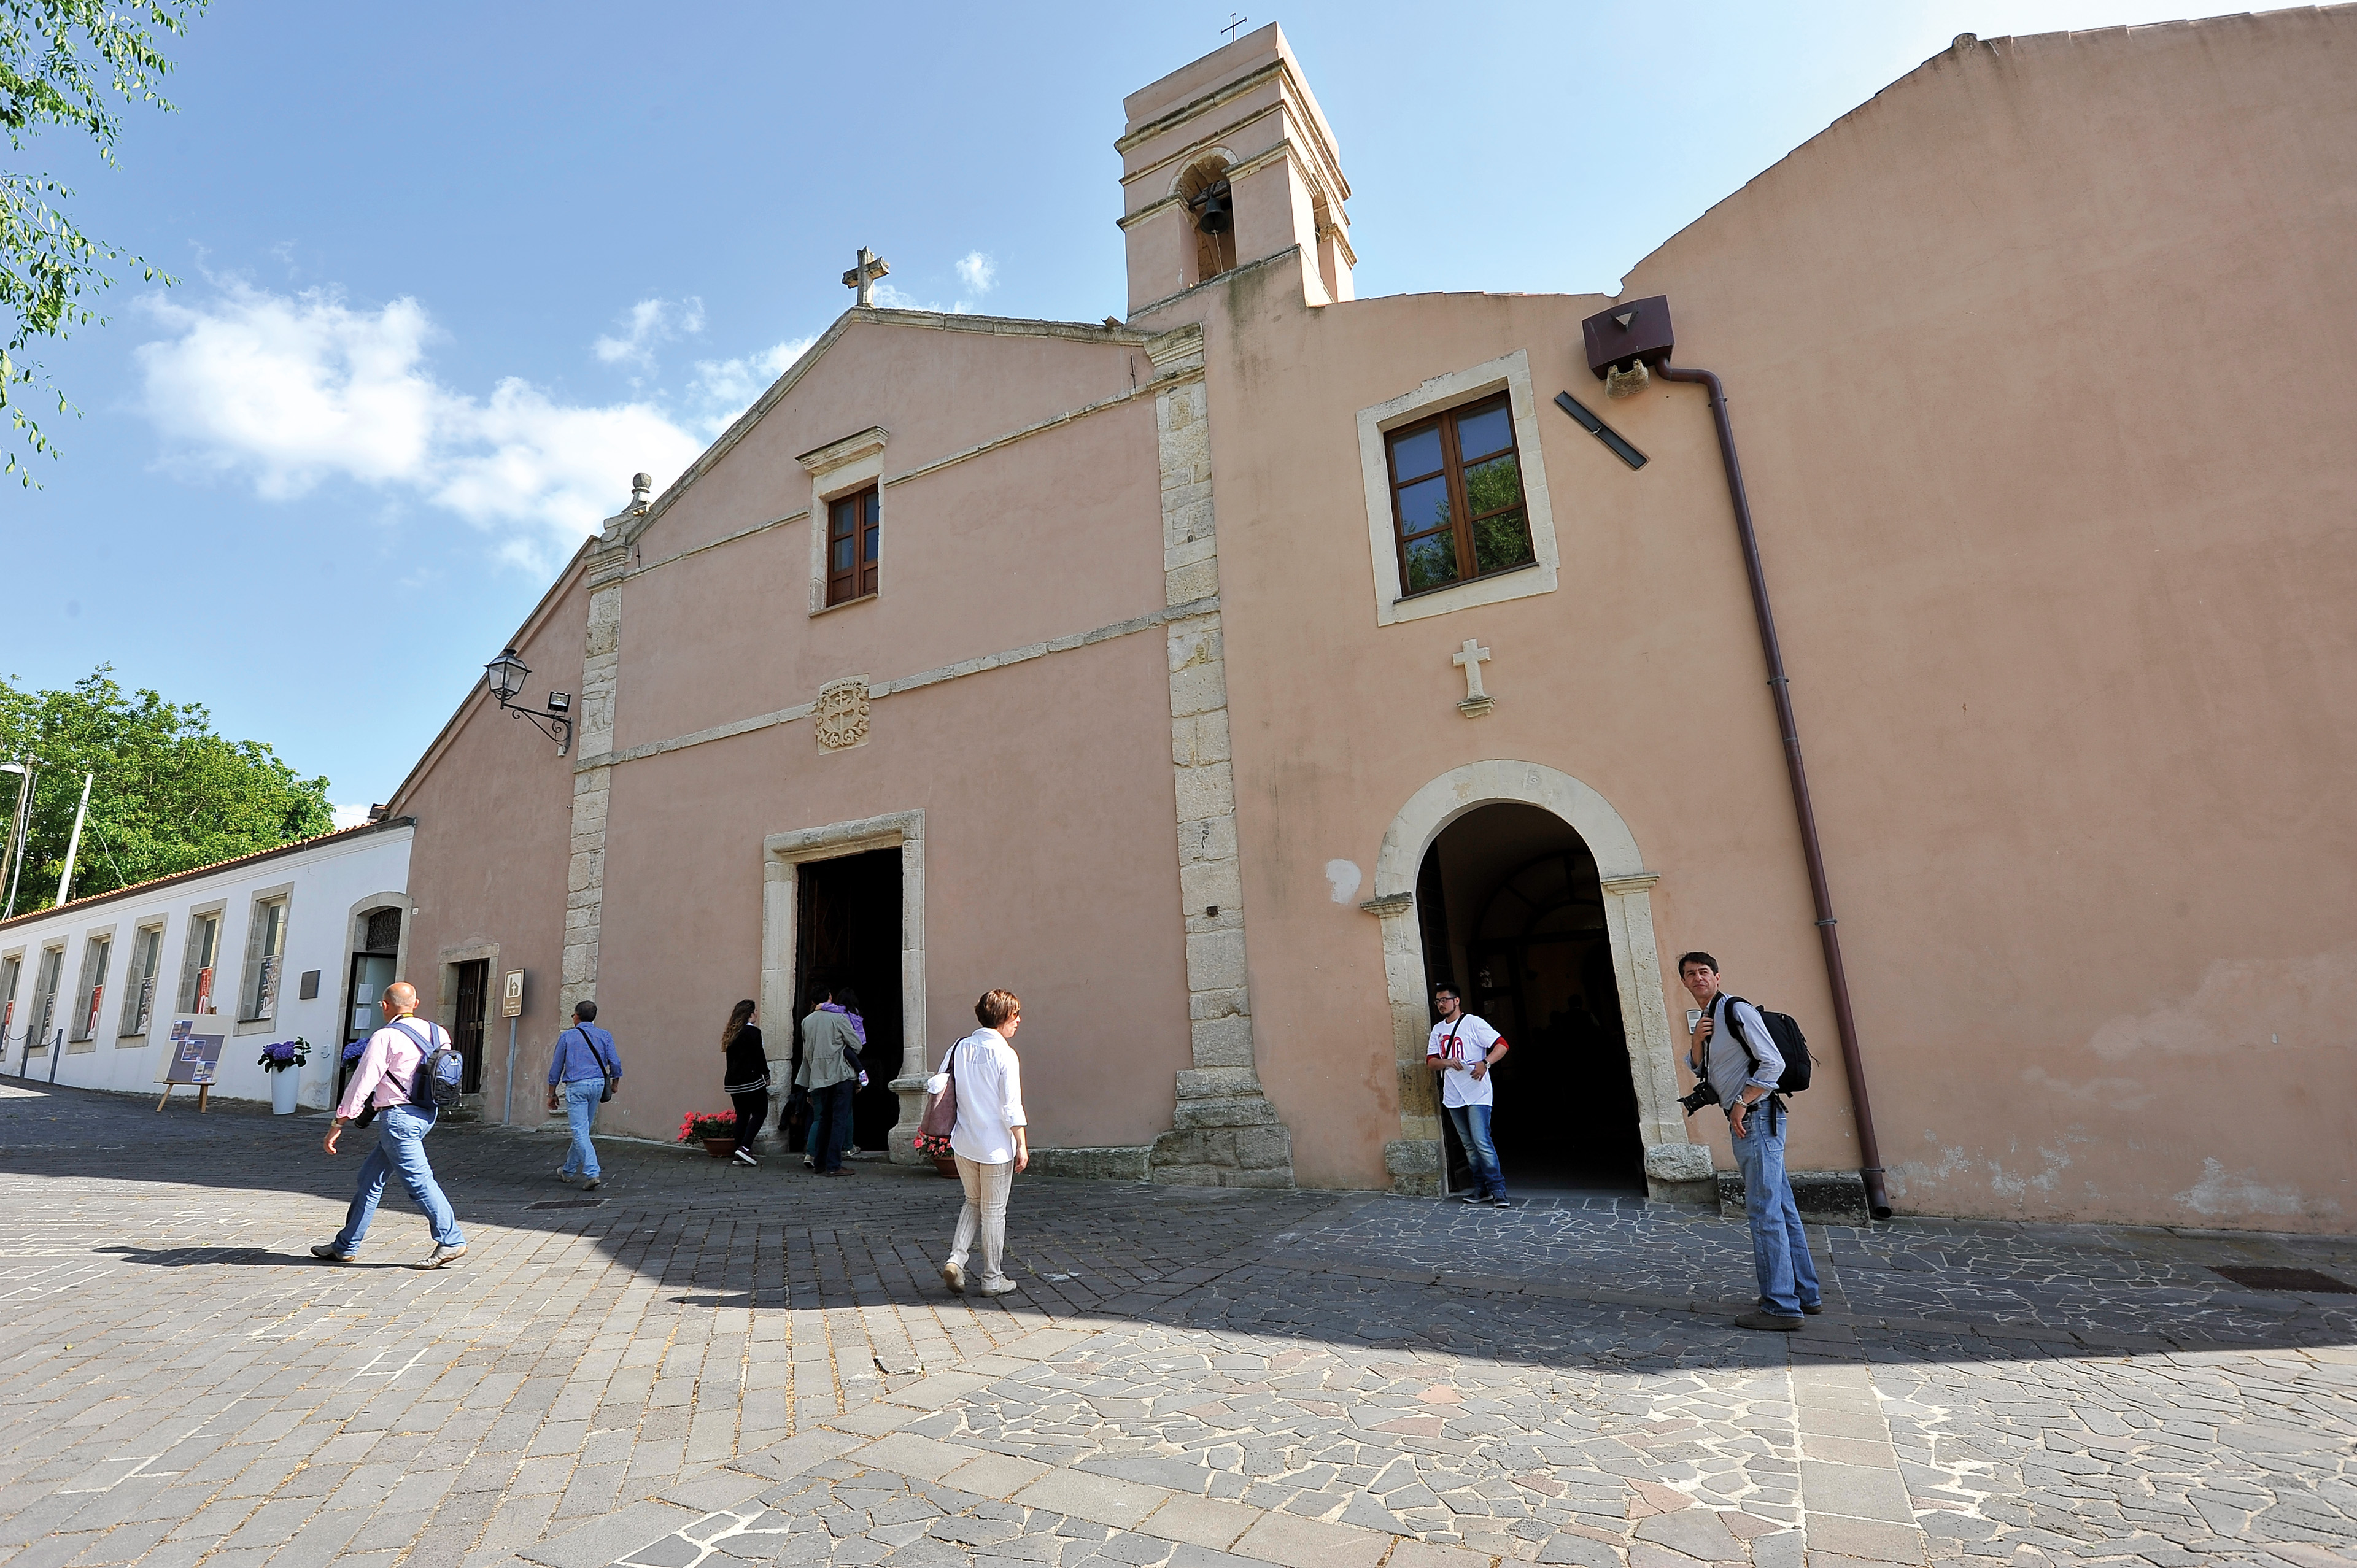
column 1576, row 1280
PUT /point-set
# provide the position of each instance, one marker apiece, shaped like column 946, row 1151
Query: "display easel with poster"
column 193, row 1056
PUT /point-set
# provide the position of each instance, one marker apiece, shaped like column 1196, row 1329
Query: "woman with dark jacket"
column 747, row 1077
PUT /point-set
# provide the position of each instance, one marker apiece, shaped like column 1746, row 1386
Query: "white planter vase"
column 283, row 1087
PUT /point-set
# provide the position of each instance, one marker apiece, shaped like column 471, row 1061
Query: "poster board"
column 193, row 1053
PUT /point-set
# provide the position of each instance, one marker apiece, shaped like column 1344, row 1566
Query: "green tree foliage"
column 170, row 794
column 65, row 63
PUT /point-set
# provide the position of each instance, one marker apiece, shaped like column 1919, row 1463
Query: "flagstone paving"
column 714, row 1366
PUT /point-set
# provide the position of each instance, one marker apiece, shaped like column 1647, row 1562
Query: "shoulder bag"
column 941, row 1116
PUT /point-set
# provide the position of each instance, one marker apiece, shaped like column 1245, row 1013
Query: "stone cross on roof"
column 863, row 277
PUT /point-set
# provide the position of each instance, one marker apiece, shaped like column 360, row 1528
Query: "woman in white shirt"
column 988, row 1138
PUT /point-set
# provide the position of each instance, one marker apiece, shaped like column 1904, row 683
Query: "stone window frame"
column 184, row 993
column 837, row 469
column 90, row 991
column 283, row 894
column 1511, row 374
column 128, row 1026
column 46, row 1005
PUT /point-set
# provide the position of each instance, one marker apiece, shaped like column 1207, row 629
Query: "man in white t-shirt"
column 1462, row 1050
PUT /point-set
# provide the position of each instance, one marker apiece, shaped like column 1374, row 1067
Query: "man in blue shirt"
column 583, row 1060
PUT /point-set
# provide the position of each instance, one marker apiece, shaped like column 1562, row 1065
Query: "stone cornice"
column 850, row 449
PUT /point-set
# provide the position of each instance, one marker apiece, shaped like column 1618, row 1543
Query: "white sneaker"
column 440, row 1255
column 744, row 1157
column 953, row 1276
column 998, row 1286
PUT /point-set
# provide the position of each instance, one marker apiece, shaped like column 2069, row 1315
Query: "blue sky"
column 451, row 273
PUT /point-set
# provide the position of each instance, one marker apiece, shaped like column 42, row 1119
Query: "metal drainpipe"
column 1877, row 1202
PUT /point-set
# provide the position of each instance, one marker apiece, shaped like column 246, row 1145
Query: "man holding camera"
column 1742, row 1075
column 1462, row 1050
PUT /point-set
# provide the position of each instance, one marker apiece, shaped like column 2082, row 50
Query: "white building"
column 287, row 942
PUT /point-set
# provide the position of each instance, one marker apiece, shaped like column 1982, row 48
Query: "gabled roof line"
column 935, row 320
column 135, row 889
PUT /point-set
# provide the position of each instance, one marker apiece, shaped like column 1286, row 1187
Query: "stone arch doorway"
column 1672, row 1167
column 1511, row 906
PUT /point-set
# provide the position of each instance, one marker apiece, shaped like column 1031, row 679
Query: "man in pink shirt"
column 382, row 1076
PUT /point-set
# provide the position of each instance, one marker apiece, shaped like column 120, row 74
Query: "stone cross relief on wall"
column 1469, row 659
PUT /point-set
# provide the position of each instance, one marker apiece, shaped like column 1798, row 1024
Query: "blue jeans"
column 1779, row 1248
column 581, row 1109
column 831, row 1123
column 1472, row 1124
column 400, row 1147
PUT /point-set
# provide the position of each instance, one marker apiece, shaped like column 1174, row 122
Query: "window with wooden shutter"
column 91, row 994
column 10, row 966
column 265, row 934
column 196, row 963
column 854, row 528
column 45, row 998
column 139, row 981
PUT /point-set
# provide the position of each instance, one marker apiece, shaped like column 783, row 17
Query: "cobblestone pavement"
column 714, row 1366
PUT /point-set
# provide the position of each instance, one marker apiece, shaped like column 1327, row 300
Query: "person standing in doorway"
column 585, row 1059
column 988, row 1139
column 382, row 1078
column 1735, row 1054
column 1462, row 1049
column 745, row 1078
column 830, row 1072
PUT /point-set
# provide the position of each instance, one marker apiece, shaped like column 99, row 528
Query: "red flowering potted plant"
column 935, row 1147
column 717, row 1129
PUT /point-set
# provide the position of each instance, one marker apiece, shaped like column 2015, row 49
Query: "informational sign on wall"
column 195, row 1042
column 511, row 997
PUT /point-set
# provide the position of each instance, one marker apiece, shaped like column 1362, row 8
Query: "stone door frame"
column 782, row 854
column 1672, row 1163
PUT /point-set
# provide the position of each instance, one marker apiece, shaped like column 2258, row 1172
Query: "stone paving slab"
column 720, row 1366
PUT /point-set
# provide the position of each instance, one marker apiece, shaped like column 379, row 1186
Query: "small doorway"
column 1512, row 913
column 371, row 971
column 474, row 993
column 848, row 934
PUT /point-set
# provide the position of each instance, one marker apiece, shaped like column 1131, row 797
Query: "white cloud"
column 651, row 322
column 291, row 390
column 727, row 387
column 349, row 816
column 977, row 271
column 977, row 276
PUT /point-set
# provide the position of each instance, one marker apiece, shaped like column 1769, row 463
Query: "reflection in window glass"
column 1457, row 497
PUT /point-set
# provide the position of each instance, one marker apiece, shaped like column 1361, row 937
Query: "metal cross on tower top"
column 863, row 277
column 1234, row 22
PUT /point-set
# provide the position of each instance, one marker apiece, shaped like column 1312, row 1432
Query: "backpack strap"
column 1735, row 1023
column 426, row 1048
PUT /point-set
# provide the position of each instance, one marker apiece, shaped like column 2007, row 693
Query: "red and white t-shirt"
column 1462, row 1043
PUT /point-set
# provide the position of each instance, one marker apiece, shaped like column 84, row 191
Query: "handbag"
column 941, row 1116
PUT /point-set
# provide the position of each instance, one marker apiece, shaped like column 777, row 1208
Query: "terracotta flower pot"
column 719, row 1148
column 945, row 1165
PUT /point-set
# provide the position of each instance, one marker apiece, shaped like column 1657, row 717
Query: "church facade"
column 1221, row 677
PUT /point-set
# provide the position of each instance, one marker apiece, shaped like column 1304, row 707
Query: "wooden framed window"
column 1457, row 497
column 853, row 524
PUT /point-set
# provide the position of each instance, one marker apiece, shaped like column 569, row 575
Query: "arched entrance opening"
column 1511, row 905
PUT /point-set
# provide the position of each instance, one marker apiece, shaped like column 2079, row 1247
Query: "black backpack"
column 433, row 1086
column 1791, row 1043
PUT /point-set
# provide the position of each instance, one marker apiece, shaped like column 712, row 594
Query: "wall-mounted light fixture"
column 505, row 676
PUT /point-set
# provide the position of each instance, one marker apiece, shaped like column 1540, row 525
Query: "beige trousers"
column 986, row 1187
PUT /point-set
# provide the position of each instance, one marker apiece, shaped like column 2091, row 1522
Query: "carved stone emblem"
column 840, row 717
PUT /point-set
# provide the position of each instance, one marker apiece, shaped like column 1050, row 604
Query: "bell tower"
column 1226, row 162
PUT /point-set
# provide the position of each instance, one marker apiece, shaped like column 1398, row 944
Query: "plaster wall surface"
column 2058, row 569
column 321, row 885
column 494, row 809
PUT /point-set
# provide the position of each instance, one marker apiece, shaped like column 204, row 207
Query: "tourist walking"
column 1735, row 1054
column 988, row 1139
column 745, row 1078
column 1462, row 1050
column 382, row 1078
column 577, row 1084
column 830, row 1071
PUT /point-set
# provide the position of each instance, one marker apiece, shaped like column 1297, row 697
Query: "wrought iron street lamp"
column 505, row 675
